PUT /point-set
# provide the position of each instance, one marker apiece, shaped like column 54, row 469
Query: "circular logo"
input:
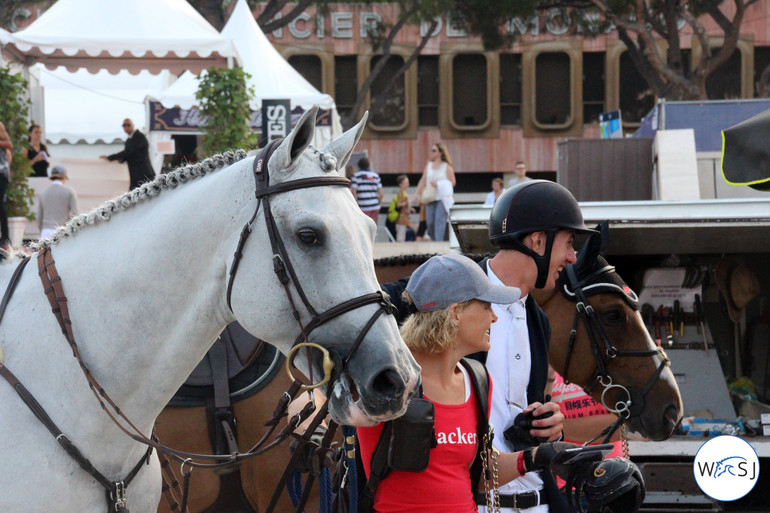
column 726, row 468
column 599, row 472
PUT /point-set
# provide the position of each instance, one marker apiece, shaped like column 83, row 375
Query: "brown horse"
column 654, row 414
column 600, row 342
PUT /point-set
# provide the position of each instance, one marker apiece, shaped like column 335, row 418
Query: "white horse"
column 147, row 295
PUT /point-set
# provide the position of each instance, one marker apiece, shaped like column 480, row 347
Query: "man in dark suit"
column 136, row 155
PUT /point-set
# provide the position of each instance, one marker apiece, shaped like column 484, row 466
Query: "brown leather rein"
column 286, row 274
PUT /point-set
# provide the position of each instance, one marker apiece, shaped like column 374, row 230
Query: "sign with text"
column 190, row 121
column 610, row 125
column 276, row 119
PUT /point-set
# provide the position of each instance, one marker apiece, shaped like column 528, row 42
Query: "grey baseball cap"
column 447, row 279
column 57, row 172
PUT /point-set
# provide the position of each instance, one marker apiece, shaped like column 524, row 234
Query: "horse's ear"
column 342, row 147
column 604, row 230
column 296, row 142
column 595, row 245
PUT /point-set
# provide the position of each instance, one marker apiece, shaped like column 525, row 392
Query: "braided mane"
column 142, row 193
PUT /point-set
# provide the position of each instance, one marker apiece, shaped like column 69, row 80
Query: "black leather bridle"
column 578, row 289
column 282, row 264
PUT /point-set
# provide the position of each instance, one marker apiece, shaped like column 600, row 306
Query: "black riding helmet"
column 534, row 206
column 614, row 485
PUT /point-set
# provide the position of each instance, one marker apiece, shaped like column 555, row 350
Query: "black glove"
column 560, row 457
column 518, row 434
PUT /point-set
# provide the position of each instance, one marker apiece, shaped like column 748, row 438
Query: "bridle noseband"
column 284, row 270
column 578, row 290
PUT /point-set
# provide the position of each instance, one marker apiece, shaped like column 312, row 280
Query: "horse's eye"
column 613, row 316
column 308, row 236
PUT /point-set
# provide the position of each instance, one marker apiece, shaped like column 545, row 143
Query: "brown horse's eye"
column 308, row 236
column 613, row 316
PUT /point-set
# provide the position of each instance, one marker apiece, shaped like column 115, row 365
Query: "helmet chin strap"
column 543, row 262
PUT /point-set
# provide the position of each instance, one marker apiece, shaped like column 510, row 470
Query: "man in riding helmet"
column 534, row 224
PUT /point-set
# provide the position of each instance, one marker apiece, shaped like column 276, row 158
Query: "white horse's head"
column 328, row 247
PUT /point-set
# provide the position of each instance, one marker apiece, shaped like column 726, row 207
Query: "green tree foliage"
column 223, row 99
column 14, row 108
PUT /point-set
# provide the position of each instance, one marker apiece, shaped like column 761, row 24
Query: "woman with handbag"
column 438, row 168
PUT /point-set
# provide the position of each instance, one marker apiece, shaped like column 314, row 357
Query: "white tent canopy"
column 85, row 107
column 271, row 76
column 134, row 35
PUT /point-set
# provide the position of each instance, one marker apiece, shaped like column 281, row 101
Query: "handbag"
column 393, row 210
column 428, row 194
column 412, row 437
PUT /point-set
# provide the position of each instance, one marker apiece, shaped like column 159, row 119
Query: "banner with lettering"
column 191, row 121
column 276, row 120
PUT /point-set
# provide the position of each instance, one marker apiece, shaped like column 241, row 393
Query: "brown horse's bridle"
column 578, row 289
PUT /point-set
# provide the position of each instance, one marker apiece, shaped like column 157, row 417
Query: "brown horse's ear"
column 595, row 245
column 604, row 229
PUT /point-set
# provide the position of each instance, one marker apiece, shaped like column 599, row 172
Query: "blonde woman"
column 452, row 298
column 438, row 168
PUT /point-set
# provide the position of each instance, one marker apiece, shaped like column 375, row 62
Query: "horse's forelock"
column 328, row 162
column 144, row 192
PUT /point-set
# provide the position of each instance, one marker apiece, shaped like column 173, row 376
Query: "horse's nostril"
column 388, row 384
column 671, row 417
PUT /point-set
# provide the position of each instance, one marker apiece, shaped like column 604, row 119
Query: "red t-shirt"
column 446, row 484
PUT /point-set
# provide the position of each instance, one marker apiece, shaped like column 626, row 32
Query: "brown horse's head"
column 599, row 341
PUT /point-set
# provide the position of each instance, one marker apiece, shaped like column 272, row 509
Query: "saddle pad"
column 248, row 382
column 251, row 364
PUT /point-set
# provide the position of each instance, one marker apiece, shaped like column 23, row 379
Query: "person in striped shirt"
column 367, row 188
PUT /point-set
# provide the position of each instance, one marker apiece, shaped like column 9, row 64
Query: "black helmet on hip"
column 534, row 206
column 614, row 485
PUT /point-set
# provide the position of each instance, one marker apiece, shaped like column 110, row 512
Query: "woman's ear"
column 454, row 313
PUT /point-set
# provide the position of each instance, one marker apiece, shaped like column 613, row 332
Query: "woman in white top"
column 439, row 168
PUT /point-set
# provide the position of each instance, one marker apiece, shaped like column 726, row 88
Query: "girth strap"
column 223, row 435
